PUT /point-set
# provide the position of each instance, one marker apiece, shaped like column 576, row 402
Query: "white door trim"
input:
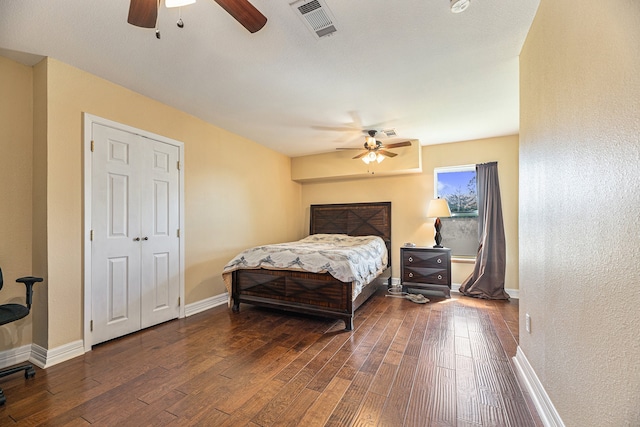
column 88, row 121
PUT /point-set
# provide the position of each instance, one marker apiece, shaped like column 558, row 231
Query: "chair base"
column 29, row 372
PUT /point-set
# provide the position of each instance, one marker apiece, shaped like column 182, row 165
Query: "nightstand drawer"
column 423, row 259
column 426, row 275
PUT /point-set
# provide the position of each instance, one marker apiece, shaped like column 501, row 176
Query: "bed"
column 319, row 294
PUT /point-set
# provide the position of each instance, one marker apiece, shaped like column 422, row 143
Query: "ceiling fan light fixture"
column 178, row 3
column 371, row 157
column 458, row 6
column 379, row 158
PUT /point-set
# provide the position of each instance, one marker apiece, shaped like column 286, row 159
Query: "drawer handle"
column 410, row 274
column 439, row 260
column 410, row 259
column 439, row 276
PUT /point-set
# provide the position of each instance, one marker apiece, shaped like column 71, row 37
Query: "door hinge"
column 91, row 235
column 178, row 164
column 178, row 301
column 93, row 145
column 91, row 325
column 178, row 233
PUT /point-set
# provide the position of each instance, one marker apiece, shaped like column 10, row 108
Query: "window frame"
column 449, row 169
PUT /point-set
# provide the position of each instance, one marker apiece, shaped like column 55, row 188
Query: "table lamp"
column 438, row 208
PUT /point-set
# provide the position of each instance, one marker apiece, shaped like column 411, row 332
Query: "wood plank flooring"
column 445, row 363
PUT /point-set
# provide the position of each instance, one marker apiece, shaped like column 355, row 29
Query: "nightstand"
column 426, row 268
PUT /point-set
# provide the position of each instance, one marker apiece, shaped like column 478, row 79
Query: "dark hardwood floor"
column 445, row 363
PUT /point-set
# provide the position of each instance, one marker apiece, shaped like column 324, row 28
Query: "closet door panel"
column 115, row 252
column 160, row 262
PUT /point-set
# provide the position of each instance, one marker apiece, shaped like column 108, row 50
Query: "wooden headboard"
column 354, row 219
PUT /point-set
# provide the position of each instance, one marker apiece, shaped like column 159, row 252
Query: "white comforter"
column 347, row 258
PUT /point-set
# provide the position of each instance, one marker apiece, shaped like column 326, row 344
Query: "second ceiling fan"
column 144, row 13
column 374, row 149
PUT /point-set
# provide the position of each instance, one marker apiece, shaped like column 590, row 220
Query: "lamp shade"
column 178, row 3
column 438, row 208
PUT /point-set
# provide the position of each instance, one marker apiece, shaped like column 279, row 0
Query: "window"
column 458, row 186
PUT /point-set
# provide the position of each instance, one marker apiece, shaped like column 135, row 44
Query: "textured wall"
column 579, row 201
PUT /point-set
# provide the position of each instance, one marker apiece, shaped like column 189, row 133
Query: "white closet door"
column 135, row 219
column 116, row 226
column 160, row 244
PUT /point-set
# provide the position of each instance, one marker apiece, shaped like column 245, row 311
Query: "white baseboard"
column 527, row 376
column 45, row 358
column 41, row 357
column 14, row 356
column 206, row 304
column 455, row 287
column 513, row 293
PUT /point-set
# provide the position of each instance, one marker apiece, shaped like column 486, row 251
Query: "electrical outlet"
column 527, row 322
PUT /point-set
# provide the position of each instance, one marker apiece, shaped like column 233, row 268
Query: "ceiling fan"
column 375, row 150
column 144, row 13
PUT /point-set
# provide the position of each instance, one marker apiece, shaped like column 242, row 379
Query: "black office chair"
column 10, row 313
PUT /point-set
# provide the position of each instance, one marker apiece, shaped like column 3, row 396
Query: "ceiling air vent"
column 316, row 16
column 391, row 133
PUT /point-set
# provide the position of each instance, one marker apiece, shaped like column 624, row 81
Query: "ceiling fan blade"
column 336, row 128
column 386, row 153
column 143, row 13
column 398, row 144
column 361, row 155
column 245, row 13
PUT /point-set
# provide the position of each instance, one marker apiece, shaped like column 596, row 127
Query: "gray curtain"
column 487, row 279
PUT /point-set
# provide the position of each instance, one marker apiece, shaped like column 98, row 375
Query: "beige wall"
column 579, row 200
column 237, row 193
column 16, row 147
column 410, row 194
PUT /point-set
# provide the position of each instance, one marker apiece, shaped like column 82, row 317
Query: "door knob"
column 145, row 238
column 137, row 239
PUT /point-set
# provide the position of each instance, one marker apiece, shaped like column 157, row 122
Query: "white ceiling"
column 411, row 65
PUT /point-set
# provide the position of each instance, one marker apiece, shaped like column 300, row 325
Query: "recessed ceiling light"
column 458, row 6
column 178, row 3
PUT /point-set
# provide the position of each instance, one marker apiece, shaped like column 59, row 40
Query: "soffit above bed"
column 340, row 165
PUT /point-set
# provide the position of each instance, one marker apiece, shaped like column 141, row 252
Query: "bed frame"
column 319, row 294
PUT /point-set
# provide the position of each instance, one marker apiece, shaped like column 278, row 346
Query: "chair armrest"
column 29, row 281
